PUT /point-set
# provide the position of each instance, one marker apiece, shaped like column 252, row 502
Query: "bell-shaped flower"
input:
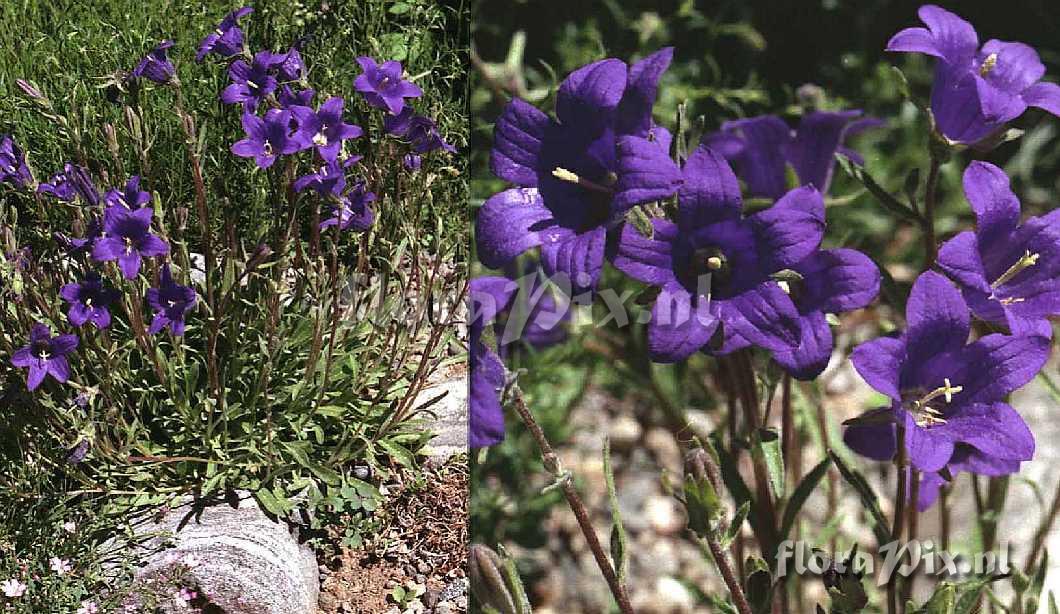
column 977, row 90
column 128, row 239
column 324, row 128
column 251, row 83
column 1009, row 272
column 580, row 173
column 352, row 210
column 171, row 303
column 383, row 85
column 45, row 355
column 227, row 39
column 131, row 197
column 89, row 301
column 267, row 138
column 13, row 168
column 944, row 391
column 156, row 65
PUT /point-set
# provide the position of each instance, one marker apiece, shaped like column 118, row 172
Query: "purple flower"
column 13, row 167
column 78, row 452
column 760, row 148
column 523, row 310
column 266, row 138
column 714, row 266
column 329, row 179
column 290, row 98
column 830, row 281
column 132, row 197
column 1008, row 272
column 251, row 83
column 227, row 39
column 86, row 243
column 128, row 239
column 351, row 210
column 172, row 302
column 965, row 458
column 421, row 131
column 89, row 301
column 944, row 391
column 290, row 66
column 579, row 174
column 156, row 66
column 324, row 129
column 412, row 161
column 45, row 355
column 488, row 296
column 60, row 185
column 72, row 182
column 383, row 85
column 976, row 90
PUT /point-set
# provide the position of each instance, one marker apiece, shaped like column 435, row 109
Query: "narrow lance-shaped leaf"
column 868, row 498
column 767, row 447
column 802, row 492
column 619, row 542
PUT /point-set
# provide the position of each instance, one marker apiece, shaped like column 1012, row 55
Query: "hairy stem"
column 1043, row 530
column 931, row 249
column 618, row 590
column 899, row 516
column 721, row 559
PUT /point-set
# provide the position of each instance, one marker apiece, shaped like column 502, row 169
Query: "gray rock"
column 446, row 404
column 232, row 554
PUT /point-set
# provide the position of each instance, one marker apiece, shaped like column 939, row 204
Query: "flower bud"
column 486, row 569
column 31, row 91
column 702, row 484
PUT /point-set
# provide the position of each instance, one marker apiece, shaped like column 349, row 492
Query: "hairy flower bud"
column 702, row 484
column 486, row 569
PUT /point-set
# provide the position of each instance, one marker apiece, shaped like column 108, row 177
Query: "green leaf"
column 867, row 496
column 268, row 501
column 398, row 453
column 943, row 601
column 884, row 197
column 1034, row 592
column 619, row 541
column 1052, row 604
column 802, row 492
column 514, row 583
column 767, row 447
column 737, row 523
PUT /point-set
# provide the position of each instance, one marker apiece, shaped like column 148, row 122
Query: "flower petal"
column 680, row 324
column 710, row 192
column 59, row 368
column 645, row 173
column 879, row 363
column 875, row 441
column 765, row 316
column 588, row 96
column 994, row 429
column 507, row 225
column 579, row 256
column 634, row 109
column 954, row 37
column 995, row 365
column 936, row 317
column 645, row 259
column 761, row 163
column 791, row 229
column 486, row 426
column 811, row 357
column 914, row 40
column 517, row 138
column 837, row 280
column 930, row 448
column 1044, row 96
column 1016, row 66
